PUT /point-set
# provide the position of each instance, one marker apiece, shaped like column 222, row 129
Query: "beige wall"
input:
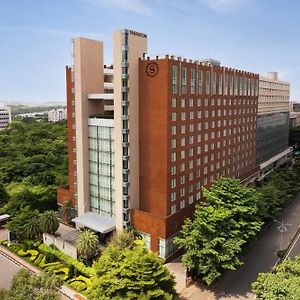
column 137, row 46
column 274, row 95
column 88, row 73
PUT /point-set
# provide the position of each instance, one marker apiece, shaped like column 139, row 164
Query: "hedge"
column 87, row 271
column 81, row 278
column 39, row 259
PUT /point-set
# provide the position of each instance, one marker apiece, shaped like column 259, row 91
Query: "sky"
column 35, row 37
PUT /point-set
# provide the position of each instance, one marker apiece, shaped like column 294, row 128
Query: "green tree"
column 27, row 285
column 87, row 244
column 131, row 273
column 3, row 195
column 49, row 222
column 213, row 240
column 25, row 225
column 281, row 283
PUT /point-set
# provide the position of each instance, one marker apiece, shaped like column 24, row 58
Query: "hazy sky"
column 255, row 35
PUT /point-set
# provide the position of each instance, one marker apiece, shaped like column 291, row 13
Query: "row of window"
column 227, row 84
column 212, row 102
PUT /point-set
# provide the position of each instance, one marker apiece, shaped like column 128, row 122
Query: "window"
column 173, row 170
column 220, row 84
column 199, row 84
column 182, row 192
column 147, row 238
column 191, row 199
column 173, row 143
column 182, row 204
column 182, row 154
column 173, row 196
column 173, row 183
column 173, row 129
column 214, row 83
column 192, row 81
column 173, row 102
column 183, row 80
column 183, row 116
column 226, row 85
column 191, row 115
column 198, row 102
column 191, row 127
column 182, row 167
column 182, row 129
column 173, row 117
column 183, row 141
column 207, row 82
column 173, row 156
column 191, row 102
column 182, row 102
column 173, row 209
column 174, row 79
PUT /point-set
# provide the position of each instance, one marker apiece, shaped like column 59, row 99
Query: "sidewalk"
column 261, row 258
column 66, row 291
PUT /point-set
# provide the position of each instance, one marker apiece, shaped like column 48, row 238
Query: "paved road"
column 7, row 270
column 261, row 258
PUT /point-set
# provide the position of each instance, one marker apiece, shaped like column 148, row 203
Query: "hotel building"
column 272, row 123
column 146, row 135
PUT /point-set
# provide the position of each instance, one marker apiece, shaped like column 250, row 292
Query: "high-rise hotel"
column 146, row 135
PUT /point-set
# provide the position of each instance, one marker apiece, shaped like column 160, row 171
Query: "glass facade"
column 272, row 135
column 102, row 167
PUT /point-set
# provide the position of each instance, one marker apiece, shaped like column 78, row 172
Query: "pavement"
column 7, row 271
column 261, row 258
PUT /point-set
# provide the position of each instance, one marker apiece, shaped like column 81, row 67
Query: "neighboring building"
column 5, row 115
column 57, row 115
column 296, row 107
column 272, row 123
column 146, row 135
column 294, row 114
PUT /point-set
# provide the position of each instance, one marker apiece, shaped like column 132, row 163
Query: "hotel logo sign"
column 152, row 69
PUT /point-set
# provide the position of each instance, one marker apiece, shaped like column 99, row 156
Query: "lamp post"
column 281, row 228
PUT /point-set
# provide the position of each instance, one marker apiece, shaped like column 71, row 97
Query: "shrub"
column 42, row 263
column 87, row 271
column 39, row 259
column 25, row 247
column 37, row 244
column 53, row 267
column 78, row 286
column 3, row 242
column 21, row 252
column 64, row 271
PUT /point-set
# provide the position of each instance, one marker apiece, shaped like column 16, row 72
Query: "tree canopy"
column 213, row 240
column 282, row 283
column 33, row 162
column 130, row 272
column 27, row 285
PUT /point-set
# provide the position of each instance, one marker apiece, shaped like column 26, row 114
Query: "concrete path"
column 261, row 258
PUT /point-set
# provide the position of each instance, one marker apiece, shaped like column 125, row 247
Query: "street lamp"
column 282, row 228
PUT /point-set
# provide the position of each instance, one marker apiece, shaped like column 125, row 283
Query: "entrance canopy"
column 99, row 223
column 4, row 217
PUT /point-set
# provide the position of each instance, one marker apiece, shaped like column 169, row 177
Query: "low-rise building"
column 57, row 115
column 5, row 115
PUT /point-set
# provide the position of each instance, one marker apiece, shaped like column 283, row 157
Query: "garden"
column 49, row 259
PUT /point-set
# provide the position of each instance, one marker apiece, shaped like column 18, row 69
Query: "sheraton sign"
column 138, row 33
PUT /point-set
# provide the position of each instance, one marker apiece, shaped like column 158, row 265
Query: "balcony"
column 125, row 89
column 125, row 157
column 108, row 71
column 101, row 96
column 125, row 144
column 124, row 64
column 125, row 184
column 125, row 117
column 125, row 103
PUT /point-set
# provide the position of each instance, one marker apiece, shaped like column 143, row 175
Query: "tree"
column 281, row 283
column 131, row 273
column 25, row 225
column 3, row 195
column 49, row 222
column 87, row 244
column 214, row 239
column 27, row 285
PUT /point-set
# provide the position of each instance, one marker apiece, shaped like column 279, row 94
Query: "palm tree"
column 49, row 222
column 87, row 244
column 32, row 229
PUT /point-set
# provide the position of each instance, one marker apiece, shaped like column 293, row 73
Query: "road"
column 261, row 258
column 7, row 270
